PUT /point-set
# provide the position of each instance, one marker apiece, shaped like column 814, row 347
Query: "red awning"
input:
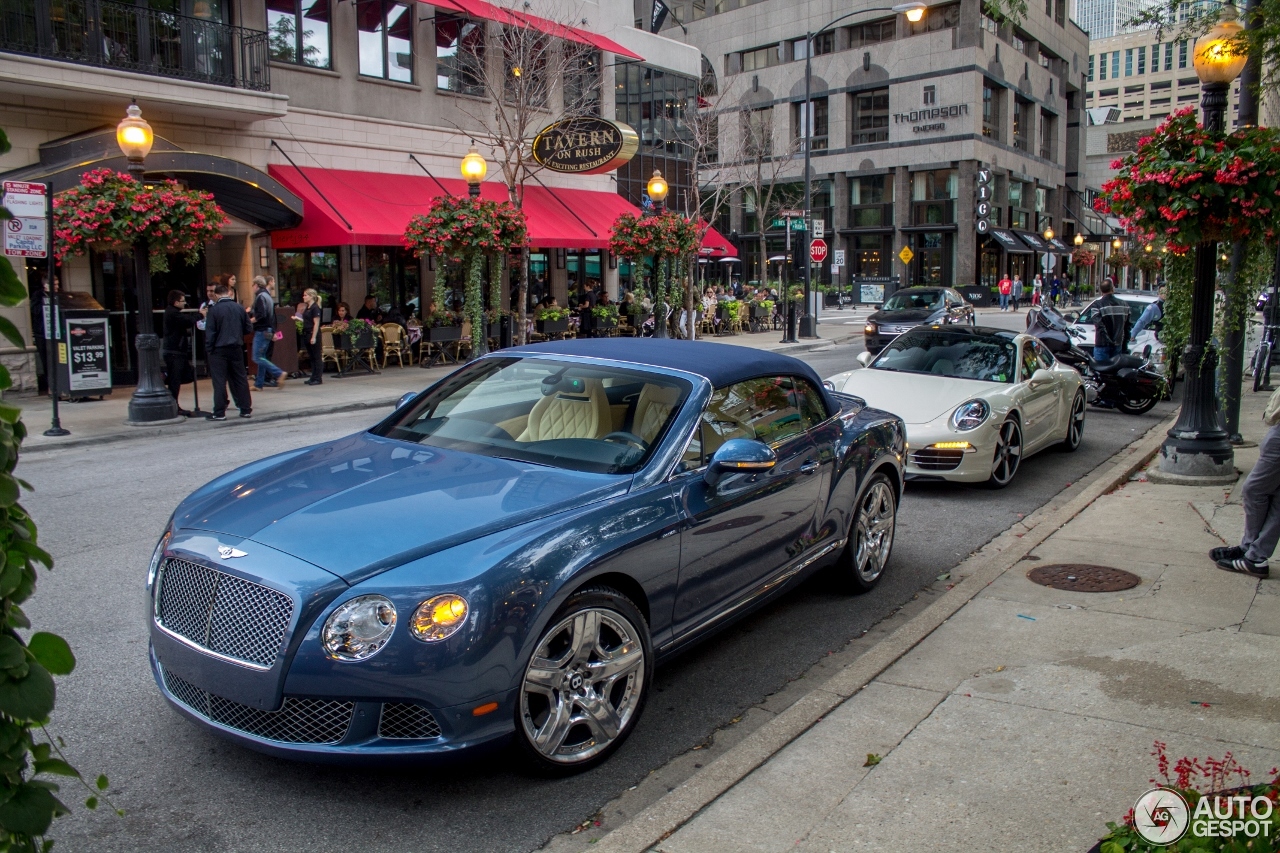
column 342, row 208
column 492, row 12
column 714, row 245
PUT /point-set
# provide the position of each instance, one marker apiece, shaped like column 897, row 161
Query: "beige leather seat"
column 652, row 410
column 564, row 415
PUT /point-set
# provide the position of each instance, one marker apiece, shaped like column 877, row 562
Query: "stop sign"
column 818, row 251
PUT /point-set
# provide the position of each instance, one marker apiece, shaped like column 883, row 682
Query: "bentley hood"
column 364, row 503
column 916, row 398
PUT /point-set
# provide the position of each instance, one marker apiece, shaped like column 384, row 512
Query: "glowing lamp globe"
column 913, row 11
column 1216, row 59
column 657, row 187
column 134, row 135
column 474, row 168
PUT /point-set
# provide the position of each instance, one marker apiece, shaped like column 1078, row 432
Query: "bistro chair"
column 394, row 343
column 329, row 352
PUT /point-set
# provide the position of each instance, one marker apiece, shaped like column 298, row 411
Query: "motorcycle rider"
column 1153, row 313
column 1111, row 329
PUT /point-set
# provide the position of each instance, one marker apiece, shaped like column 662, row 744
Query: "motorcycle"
column 1125, row 382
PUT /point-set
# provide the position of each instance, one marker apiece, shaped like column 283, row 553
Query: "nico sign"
column 585, row 146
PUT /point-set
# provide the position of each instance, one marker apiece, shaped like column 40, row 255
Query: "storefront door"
column 393, row 279
column 933, row 264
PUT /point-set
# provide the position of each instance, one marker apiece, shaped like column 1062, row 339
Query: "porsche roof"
column 722, row 364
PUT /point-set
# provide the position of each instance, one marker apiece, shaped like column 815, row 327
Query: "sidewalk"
column 104, row 421
column 1009, row 715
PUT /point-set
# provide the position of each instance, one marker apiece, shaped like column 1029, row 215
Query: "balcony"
column 870, row 215
column 112, row 35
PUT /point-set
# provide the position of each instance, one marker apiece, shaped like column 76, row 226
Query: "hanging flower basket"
column 1185, row 185
column 1083, row 258
column 110, row 211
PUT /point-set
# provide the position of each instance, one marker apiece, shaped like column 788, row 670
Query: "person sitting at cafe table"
column 370, row 311
column 342, row 314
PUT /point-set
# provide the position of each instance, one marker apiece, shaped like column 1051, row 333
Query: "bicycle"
column 1261, row 362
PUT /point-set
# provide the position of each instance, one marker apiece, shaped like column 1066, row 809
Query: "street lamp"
column 914, row 12
column 657, row 189
column 151, row 400
column 1197, row 449
column 1079, row 240
column 474, row 168
column 1048, row 233
column 1115, row 244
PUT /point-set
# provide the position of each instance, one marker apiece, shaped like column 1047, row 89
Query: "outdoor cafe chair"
column 394, row 343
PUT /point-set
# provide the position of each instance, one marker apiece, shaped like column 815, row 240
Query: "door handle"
column 809, row 467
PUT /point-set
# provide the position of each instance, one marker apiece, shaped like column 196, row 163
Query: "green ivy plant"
column 28, row 794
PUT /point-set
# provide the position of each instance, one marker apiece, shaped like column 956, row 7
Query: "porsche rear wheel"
column 1008, row 455
column 585, row 684
column 1075, row 424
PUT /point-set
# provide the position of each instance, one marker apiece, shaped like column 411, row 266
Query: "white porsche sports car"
column 976, row 401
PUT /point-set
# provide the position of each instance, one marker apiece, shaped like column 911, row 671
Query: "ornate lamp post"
column 915, row 13
column 474, row 168
column 657, row 189
column 151, row 401
column 1197, row 449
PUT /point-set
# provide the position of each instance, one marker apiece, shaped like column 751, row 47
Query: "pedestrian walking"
column 1037, row 287
column 1005, row 287
column 1260, row 496
column 1015, row 291
column 311, row 334
column 175, row 348
column 1053, row 293
column 1111, row 329
column 263, row 314
column 225, row 326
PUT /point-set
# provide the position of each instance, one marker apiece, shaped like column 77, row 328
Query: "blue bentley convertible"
column 512, row 550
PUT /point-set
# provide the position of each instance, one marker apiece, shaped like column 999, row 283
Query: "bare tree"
column 528, row 75
column 765, row 159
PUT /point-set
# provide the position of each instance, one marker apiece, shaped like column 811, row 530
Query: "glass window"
column 1182, row 54
column 870, row 121
column 817, row 127
column 761, row 57
column 943, row 352
column 871, row 189
column 582, row 81
column 544, row 411
column 298, row 31
column 1168, row 57
column 1029, row 361
column 298, row 271
column 1023, row 124
column 1091, row 58
column 873, row 32
column 386, row 39
column 1115, row 63
column 459, row 55
column 757, row 131
column 992, row 124
column 1142, row 59
column 934, row 185
column 937, row 18
column 766, row 409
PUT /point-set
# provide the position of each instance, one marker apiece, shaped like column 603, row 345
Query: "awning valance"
column 1034, row 241
column 343, row 208
column 714, row 245
column 1008, row 242
column 502, row 15
column 1059, row 246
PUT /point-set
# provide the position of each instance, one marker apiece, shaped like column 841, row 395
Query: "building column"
column 966, row 236
column 901, row 217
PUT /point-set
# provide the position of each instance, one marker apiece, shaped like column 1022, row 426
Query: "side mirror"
column 739, row 455
column 406, row 398
column 1041, row 377
column 864, row 358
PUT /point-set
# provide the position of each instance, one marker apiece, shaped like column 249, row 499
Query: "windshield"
column 598, row 419
column 904, row 301
column 939, row 352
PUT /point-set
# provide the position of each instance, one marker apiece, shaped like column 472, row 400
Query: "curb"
column 662, row 818
column 190, row 425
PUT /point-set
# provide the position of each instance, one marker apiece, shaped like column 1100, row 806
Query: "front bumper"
column 926, row 461
column 350, row 730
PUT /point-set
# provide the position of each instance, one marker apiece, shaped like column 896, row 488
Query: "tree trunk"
column 523, row 296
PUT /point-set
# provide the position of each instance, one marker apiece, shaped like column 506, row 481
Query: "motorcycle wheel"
column 1137, row 405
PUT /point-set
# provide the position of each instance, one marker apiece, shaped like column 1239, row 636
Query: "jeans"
column 1105, row 353
column 261, row 342
column 1261, row 498
column 1004, row 301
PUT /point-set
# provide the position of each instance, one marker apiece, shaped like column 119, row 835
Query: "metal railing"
column 117, row 35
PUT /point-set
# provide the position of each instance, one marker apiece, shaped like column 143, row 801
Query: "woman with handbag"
column 176, row 347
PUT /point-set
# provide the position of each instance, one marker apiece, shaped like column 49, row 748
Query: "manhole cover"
column 1084, row 578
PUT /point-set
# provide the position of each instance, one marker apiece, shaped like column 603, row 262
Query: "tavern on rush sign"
column 585, row 146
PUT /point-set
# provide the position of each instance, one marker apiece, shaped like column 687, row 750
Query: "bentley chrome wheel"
column 1008, row 454
column 874, row 523
column 583, row 686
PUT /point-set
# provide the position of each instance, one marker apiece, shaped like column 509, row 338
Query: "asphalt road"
column 101, row 509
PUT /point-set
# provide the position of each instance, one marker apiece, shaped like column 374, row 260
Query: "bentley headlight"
column 971, row 415
column 359, row 629
column 157, row 557
column 439, row 618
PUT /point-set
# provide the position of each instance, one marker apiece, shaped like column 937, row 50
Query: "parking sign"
column 26, row 235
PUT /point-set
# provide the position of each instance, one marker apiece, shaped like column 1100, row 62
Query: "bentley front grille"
column 297, row 720
column 222, row 613
column 404, row 721
column 937, row 459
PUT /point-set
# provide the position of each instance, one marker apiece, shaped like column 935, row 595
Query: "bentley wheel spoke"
column 602, row 720
column 551, row 734
column 617, row 663
column 586, row 635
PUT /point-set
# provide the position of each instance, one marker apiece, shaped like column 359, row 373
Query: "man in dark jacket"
column 176, row 346
column 263, row 314
column 1111, row 326
column 225, row 326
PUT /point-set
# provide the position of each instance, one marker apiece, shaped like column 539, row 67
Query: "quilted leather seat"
column 564, row 415
column 652, row 410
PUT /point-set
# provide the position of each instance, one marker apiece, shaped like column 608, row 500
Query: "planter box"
column 591, row 321
column 440, row 334
column 759, row 312
column 553, row 327
column 365, row 341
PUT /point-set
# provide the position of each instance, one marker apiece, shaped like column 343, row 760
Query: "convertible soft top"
column 721, row 364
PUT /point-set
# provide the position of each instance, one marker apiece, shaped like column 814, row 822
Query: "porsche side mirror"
column 737, row 456
column 1041, row 377
column 406, row 398
column 864, row 358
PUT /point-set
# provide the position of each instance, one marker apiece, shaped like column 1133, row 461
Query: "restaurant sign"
column 585, row 146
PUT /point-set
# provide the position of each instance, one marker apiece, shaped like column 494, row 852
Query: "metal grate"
column 297, row 721
column 222, row 613
column 935, row 459
column 403, row 721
